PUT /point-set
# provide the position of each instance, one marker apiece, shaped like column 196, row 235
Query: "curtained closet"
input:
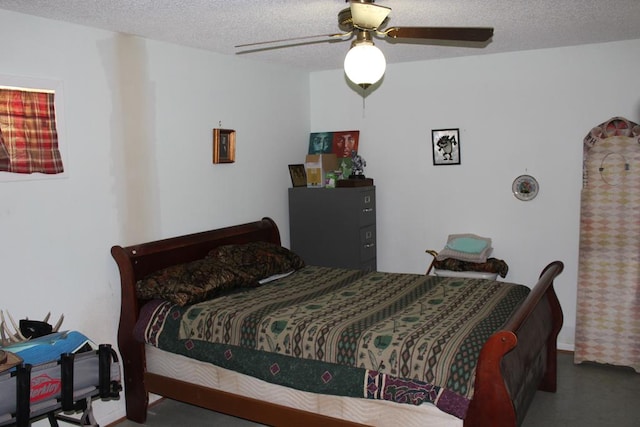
column 608, row 304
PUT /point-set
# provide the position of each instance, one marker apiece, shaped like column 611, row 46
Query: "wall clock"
column 525, row 187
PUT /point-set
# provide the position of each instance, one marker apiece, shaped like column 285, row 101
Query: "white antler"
column 59, row 323
column 12, row 337
column 15, row 326
column 9, row 337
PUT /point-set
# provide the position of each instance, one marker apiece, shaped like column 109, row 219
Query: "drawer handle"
column 367, row 210
column 369, row 245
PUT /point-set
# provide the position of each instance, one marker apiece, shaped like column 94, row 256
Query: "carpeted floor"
column 588, row 395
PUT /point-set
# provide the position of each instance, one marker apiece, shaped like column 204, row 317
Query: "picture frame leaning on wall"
column 298, row 175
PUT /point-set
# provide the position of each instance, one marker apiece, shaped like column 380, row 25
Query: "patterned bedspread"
column 407, row 338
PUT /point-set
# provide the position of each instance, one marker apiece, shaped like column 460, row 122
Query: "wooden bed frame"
column 513, row 363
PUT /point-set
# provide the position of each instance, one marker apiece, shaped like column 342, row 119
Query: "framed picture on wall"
column 298, row 175
column 224, row 146
column 446, row 146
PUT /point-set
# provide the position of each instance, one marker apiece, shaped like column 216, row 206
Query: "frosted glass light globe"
column 364, row 64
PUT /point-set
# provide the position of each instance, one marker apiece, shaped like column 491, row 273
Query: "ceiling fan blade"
column 266, row 48
column 473, row 34
column 368, row 16
column 332, row 36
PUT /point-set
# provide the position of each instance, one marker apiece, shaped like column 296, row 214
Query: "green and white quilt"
column 407, row 338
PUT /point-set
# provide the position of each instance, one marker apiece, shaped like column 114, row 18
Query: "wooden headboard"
column 148, row 257
column 137, row 261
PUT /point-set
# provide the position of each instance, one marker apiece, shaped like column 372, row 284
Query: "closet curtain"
column 608, row 299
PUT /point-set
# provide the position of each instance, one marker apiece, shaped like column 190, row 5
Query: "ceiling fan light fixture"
column 364, row 64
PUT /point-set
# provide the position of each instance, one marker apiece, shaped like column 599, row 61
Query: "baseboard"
column 566, row 347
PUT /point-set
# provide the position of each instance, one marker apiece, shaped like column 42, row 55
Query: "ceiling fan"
column 365, row 64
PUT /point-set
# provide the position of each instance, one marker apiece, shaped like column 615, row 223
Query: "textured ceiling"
column 219, row 25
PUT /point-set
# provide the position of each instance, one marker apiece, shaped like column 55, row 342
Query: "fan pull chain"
column 363, row 103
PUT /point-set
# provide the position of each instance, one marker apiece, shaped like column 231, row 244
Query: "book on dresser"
column 334, row 227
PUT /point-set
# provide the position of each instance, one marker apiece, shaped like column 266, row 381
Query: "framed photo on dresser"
column 298, row 175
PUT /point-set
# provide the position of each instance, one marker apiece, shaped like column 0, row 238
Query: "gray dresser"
column 334, row 227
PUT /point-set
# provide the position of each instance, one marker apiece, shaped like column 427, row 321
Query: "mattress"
column 365, row 411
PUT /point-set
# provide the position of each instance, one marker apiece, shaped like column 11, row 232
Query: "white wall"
column 139, row 119
column 518, row 113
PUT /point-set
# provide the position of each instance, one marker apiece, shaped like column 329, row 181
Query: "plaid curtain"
column 28, row 135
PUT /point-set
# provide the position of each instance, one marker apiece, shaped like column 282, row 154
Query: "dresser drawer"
column 334, row 227
column 368, row 242
column 369, row 265
column 367, row 207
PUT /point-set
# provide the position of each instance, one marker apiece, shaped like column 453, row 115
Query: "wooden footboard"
column 513, row 363
column 520, row 359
